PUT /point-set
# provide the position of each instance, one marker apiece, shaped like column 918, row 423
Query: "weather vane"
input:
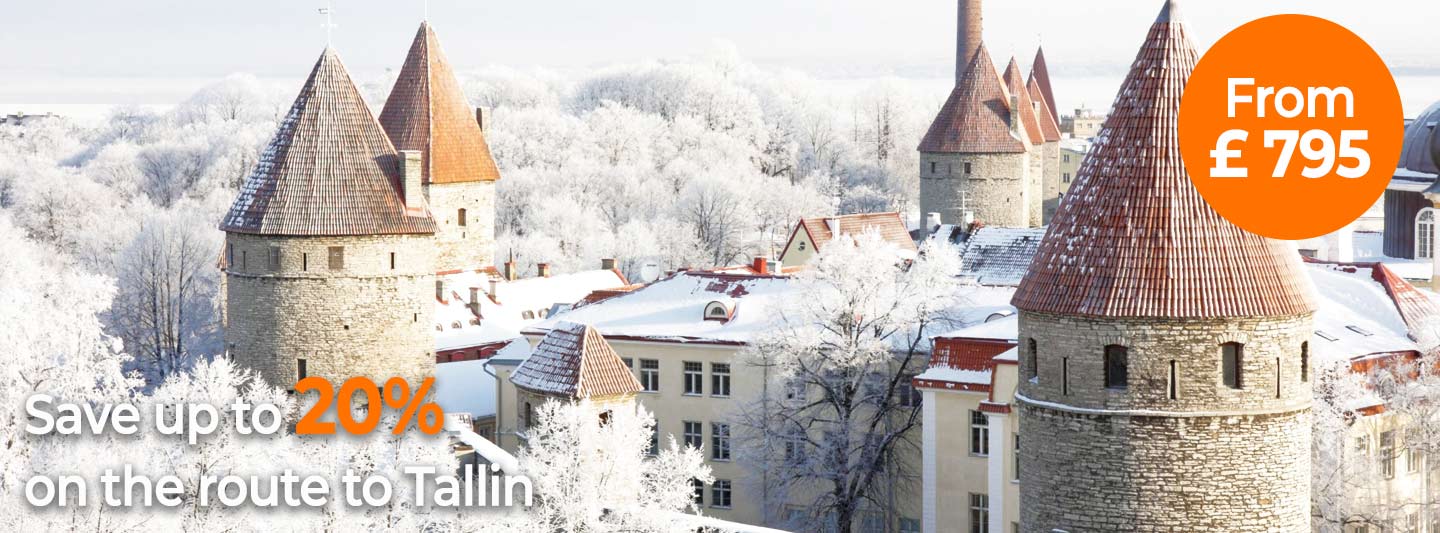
column 329, row 23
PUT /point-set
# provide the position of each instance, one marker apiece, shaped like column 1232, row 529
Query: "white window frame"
column 694, row 373
column 979, row 434
column 1425, row 241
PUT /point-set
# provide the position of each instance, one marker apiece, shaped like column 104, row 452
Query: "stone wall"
column 467, row 247
column 997, row 187
column 372, row 317
column 1212, row 458
column 1050, row 154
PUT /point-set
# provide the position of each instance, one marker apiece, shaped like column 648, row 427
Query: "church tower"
column 427, row 112
column 1163, row 380
column 329, row 247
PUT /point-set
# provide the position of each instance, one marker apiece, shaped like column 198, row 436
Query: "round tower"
column 329, row 248
column 1164, row 351
column 427, row 112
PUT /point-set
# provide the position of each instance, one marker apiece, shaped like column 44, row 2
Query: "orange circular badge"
column 1291, row 126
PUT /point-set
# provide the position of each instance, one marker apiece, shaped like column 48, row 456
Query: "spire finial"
column 1171, row 13
column 329, row 23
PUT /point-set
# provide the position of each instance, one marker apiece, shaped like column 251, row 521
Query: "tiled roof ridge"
column 976, row 116
column 329, row 170
column 1029, row 120
column 1135, row 239
column 427, row 110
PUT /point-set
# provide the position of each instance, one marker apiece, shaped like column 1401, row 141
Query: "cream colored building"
column 1072, row 155
column 1084, row 124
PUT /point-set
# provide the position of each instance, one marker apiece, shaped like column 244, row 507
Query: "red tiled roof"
column 427, row 111
column 976, row 117
column 1040, row 75
column 1135, row 239
column 890, row 226
column 1417, row 310
column 330, row 170
column 575, row 361
column 1049, row 126
column 1015, row 85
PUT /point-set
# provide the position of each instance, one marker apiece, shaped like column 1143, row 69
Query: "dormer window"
column 719, row 311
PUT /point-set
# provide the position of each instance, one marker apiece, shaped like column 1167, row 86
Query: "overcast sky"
column 49, row 47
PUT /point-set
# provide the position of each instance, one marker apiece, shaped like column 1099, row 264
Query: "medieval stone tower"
column 329, row 247
column 1164, row 380
column 985, row 155
column 427, row 112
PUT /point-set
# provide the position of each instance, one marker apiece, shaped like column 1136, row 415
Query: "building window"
column 967, row 169
column 1232, row 358
column 274, row 258
column 655, row 440
column 392, row 260
column 1362, row 445
column 1032, row 353
column 795, row 390
column 1425, row 234
column 529, row 415
column 979, row 513
column 1067, row 158
column 699, row 491
column 694, row 378
column 909, row 525
column 650, row 375
column 1413, row 452
column 979, row 434
column 460, row 217
column 1017, row 456
column 1305, row 362
column 795, row 447
column 1065, row 376
column 305, row 262
column 244, row 260
column 720, row 379
column 1066, row 177
column 720, row 494
column 720, row 441
column 909, row 395
column 1117, row 370
column 1174, row 385
column 629, row 363
column 694, row 435
column 230, row 254
column 1387, row 454
column 300, row 369
column 337, row 257
column 934, row 167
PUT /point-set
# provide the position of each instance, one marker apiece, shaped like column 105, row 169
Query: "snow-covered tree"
column 834, row 427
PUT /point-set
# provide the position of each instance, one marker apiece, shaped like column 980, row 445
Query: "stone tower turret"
column 427, row 111
column 1162, row 370
column 1044, row 101
column 330, row 264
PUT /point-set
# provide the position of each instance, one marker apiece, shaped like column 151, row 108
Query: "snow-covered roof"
column 516, row 304
column 465, row 387
column 672, row 309
column 1075, row 145
column 1006, row 328
column 956, row 375
column 1355, row 315
column 574, row 361
column 999, row 256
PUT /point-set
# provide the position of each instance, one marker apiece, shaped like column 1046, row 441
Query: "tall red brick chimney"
column 969, row 34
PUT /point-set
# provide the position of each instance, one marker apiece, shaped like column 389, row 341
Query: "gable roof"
column 890, row 225
column 575, row 361
column 330, row 169
column 999, row 256
column 427, row 111
column 1015, row 85
column 976, row 117
column 1040, row 77
column 1135, row 239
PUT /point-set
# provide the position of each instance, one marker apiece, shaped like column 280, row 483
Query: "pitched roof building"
column 329, row 170
column 812, row 234
column 574, row 361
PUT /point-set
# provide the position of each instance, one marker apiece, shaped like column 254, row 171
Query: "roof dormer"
column 720, row 311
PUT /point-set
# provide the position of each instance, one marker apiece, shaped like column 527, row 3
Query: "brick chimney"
column 475, row 300
column 761, row 265
column 543, row 269
column 495, row 290
column 968, row 36
column 442, row 290
column 607, row 263
column 510, row 274
column 411, row 171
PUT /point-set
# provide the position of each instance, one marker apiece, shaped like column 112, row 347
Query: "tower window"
column 1065, row 376
column 274, row 258
column 1232, row 358
column 337, row 257
column 300, row 370
column 244, row 261
column 934, row 167
column 967, row 169
column 230, row 253
column 392, row 260
column 1305, row 361
column 1174, row 391
column 305, row 262
column 1116, row 367
column 460, row 217
column 1277, row 378
column 1032, row 351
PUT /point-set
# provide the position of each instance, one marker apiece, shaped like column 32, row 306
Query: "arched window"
column 1425, row 234
column 1232, row 359
column 1116, row 366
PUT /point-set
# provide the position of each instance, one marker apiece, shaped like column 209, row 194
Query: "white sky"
column 69, row 50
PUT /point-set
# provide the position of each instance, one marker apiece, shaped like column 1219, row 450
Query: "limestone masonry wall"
column 372, row 316
column 467, row 247
column 997, row 186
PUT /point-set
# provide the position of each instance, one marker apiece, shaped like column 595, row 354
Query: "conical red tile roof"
column 575, row 361
column 1049, row 126
column 427, row 111
column 1040, row 75
column 330, row 170
column 1135, row 239
column 976, row 117
column 1015, row 85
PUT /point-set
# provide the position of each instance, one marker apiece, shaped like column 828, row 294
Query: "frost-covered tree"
column 833, row 429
